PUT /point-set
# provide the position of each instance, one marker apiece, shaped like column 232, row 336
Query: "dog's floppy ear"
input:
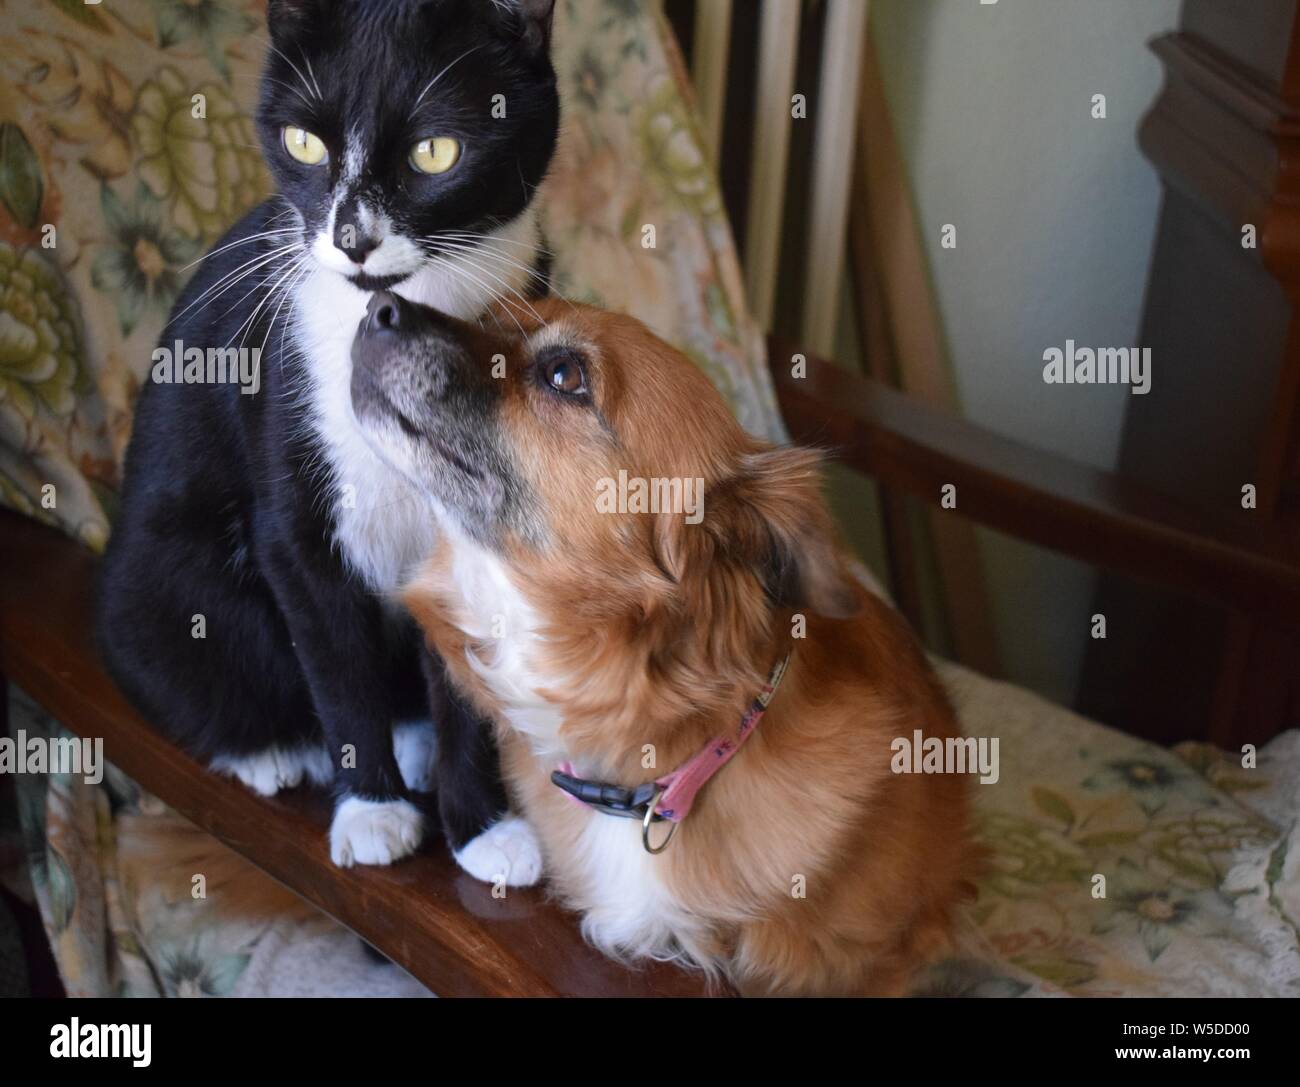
column 783, row 526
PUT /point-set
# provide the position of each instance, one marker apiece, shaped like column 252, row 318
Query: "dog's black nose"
column 387, row 312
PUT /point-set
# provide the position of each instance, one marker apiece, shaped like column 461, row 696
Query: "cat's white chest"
column 382, row 524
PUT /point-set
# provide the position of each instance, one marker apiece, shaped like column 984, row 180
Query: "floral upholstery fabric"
column 1201, row 857
column 1198, row 855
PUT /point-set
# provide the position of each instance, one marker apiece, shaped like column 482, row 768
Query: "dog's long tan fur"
column 806, row 866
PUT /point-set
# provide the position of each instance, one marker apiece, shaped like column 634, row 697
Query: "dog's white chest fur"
column 494, row 614
column 629, row 909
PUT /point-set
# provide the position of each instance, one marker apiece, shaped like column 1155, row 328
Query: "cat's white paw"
column 415, row 750
column 374, row 831
column 278, row 768
column 507, row 852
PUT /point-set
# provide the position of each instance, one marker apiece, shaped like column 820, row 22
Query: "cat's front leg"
column 487, row 840
column 338, row 634
column 367, row 831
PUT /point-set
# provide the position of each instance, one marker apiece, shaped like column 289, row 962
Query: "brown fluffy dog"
column 621, row 644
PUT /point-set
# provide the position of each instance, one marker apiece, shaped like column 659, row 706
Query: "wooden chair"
column 427, row 915
column 443, row 926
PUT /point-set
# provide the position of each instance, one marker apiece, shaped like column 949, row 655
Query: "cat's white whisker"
column 469, row 256
column 310, row 71
column 260, row 285
column 495, row 239
column 291, row 293
column 296, row 69
column 285, row 287
column 433, row 82
column 240, row 274
column 306, row 101
column 265, row 235
column 485, row 247
column 458, row 268
column 267, row 296
column 228, row 280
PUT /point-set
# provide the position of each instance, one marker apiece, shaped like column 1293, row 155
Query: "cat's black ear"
column 287, row 19
column 534, row 18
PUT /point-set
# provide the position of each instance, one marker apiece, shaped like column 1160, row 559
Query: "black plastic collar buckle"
column 610, row 799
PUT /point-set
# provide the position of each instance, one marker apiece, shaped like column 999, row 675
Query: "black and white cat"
column 245, row 600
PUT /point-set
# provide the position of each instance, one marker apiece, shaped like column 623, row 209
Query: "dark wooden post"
column 1223, row 322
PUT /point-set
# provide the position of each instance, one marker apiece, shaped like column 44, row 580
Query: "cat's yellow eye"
column 303, row 146
column 436, row 155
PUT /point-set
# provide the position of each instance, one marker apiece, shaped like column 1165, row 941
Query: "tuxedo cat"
column 245, row 604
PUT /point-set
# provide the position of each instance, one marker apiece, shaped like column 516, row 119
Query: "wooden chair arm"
column 424, row 913
column 1068, row 507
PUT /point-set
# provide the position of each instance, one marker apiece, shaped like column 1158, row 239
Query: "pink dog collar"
column 671, row 797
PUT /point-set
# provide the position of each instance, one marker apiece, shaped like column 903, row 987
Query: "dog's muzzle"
column 405, row 358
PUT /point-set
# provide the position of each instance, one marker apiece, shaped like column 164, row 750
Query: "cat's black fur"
column 230, row 503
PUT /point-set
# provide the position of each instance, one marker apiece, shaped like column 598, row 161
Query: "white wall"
column 1055, row 215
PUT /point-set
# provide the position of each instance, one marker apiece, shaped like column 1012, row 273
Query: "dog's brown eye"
column 563, row 373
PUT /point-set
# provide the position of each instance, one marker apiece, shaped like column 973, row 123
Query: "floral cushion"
column 1200, row 856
